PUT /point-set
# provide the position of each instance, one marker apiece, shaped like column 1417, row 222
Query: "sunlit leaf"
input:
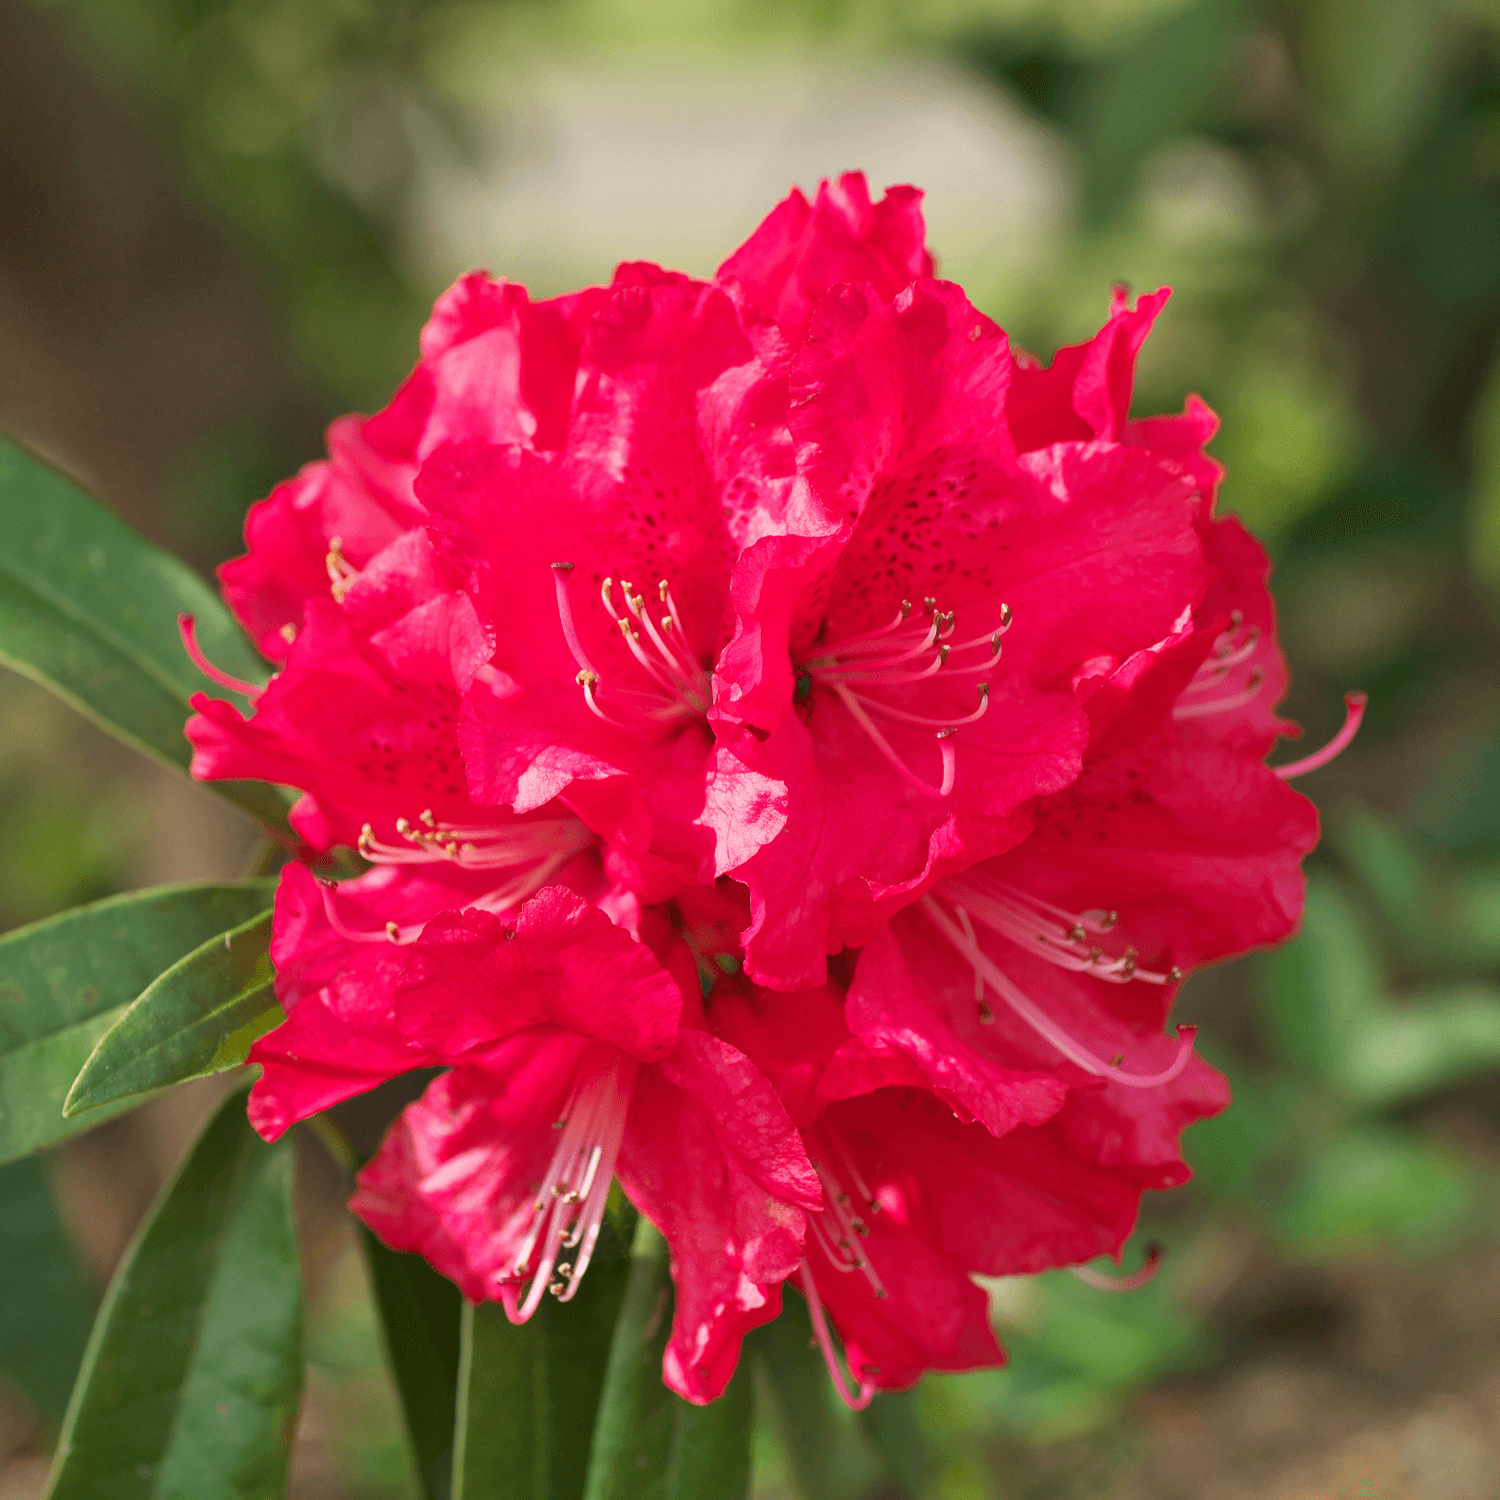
column 199, row 1017
column 65, row 981
column 190, row 1386
column 89, row 609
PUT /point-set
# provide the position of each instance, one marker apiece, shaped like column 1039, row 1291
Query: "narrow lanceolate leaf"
column 419, row 1317
column 46, row 1308
column 190, row 1385
column 528, row 1395
column 650, row 1444
column 89, row 609
column 200, row 1017
column 65, row 981
column 798, row 1383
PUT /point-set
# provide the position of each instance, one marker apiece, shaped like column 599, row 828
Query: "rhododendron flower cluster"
column 798, row 744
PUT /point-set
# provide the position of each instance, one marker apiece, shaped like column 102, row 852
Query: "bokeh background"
column 221, row 222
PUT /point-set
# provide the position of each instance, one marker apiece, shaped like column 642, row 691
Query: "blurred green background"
column 221, row 222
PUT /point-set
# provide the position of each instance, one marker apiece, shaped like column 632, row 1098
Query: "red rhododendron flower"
column 659, row 642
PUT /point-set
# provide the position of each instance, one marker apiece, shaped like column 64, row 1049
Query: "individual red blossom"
column 900, row 687
column 571, row 1069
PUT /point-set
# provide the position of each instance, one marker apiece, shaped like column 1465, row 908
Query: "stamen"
column 341, row 572
column 1029, row 1012
column 1354, row 712
column 680, row 688
column 1222, row 705
column 859, row 669
column 1059, row 936
column 855, row 1401
column 187, row 626
column 534, row 850
column 571, row 1199
column 1101, row 1281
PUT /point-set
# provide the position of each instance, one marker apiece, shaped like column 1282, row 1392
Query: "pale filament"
column 187, row 626
column 898, row 655
column 1062, row 937
column 1354, row 711
column 1102, row 1281
column 856, row 1400
column 341, row 572
column 569, row 1208
column 844, row 1223
column 534, row 851
column 1231, row 650
column 677, row 687
column 1026, row 1009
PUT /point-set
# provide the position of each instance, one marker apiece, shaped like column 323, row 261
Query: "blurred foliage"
column 1320, row 182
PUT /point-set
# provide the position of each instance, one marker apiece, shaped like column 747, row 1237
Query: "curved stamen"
column 1101, row 1281
column 187, row 626
column 1061, row 937
column 1222, row 705
column 1354, row 712
column 680, row 687
column 898, row 655
column 852, row 703
column 1032, row 1014
column 855, row 1401
column 877, row 706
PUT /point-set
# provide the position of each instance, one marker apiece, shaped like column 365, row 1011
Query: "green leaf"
column 528, row 1395
column 799, row 1385
column 1320, row 991
column 65, row 981
column 46, row 1309
column 894, row 1429
column 419, row 1318
column 1155, row 89
column 1373, row 1184
column 200, row 1017
column 1435, row 1039
column 190, row 1385
column 89, row 609
column 650, row 1444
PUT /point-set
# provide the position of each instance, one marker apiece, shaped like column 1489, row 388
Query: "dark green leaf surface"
column 200, row 1017
column 419, row 1316
column 45, row 1308
column 650, row 1444
column 89, row 609
column 894, row 1429
column 65, row 981
column 190, row 1385
column 799, row 1388
column 528, row 1395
